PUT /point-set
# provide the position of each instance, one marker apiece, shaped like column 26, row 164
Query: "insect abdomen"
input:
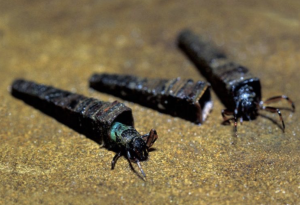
column 225, row 76
column 183, row 98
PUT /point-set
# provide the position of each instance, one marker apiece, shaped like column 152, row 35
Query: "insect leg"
column 277, row 98
column 235, row 114
column 235, row 117
column 241, row 120
column 116, row 157
column 138, row 163
column 273, row 110
column 226, row 112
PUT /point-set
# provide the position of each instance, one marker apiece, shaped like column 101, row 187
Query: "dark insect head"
column 246, row 104
column 138, row 149
column 139, row 146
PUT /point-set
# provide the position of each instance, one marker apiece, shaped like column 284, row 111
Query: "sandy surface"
column 61, row 43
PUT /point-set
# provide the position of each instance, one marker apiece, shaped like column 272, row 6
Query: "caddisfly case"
column 178, row 97
column 87, row 115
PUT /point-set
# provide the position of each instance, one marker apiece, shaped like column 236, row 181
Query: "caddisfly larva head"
column 138, row 149
column 140, row 145
column 247, row 105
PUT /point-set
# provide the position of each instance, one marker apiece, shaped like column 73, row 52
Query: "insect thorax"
column 246, row 102
column 122, row 134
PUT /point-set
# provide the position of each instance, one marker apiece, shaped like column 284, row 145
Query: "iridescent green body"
column 122, row 134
